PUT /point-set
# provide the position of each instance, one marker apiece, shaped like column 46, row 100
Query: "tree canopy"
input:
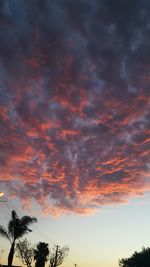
column 41, row 254
column 17, row 228
column 138, row 259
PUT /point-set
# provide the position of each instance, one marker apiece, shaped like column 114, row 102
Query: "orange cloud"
column 74, row 105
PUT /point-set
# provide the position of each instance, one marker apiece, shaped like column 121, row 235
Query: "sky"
column 75, row 123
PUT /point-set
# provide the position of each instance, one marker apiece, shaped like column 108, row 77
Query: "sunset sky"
column 75, row 124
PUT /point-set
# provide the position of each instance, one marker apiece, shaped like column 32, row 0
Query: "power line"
column 45, row 235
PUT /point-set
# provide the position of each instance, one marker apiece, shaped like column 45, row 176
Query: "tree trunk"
column 11, row 254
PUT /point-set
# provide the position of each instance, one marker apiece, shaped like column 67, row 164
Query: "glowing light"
column 1, row 194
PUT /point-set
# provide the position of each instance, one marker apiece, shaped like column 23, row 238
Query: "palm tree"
column 17, row 228
column 41, row 254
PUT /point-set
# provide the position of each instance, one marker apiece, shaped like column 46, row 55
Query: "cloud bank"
column 74, row 102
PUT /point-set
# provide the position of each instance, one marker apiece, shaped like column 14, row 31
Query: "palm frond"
column 27, row 220
column 22, row 231
column 11, row 228
column 23, row 228
column 13, row 225
column 4, row 233
column 14, row 215
column 17, row 227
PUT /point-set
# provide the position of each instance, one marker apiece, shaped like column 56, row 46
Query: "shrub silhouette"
column 138, row 259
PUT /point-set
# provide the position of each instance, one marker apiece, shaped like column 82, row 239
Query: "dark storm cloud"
column 74, row 102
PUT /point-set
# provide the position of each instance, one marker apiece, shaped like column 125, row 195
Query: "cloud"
column 74, row 103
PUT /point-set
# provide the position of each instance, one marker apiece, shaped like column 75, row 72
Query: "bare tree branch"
column 24, row 251
column 58, row 255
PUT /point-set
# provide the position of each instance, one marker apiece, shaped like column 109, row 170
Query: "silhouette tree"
column 25, row 251
column 138, row 259
column 17, row 228
column 41, row 254
column 58, row 255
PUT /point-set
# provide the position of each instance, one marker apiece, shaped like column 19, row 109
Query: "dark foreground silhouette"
column 24, row 249
column 138, row 259
column 17, row 228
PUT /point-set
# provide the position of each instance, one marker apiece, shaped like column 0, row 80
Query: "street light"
column 1, row 194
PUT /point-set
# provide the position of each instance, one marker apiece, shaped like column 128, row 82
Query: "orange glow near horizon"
column 1, row 194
